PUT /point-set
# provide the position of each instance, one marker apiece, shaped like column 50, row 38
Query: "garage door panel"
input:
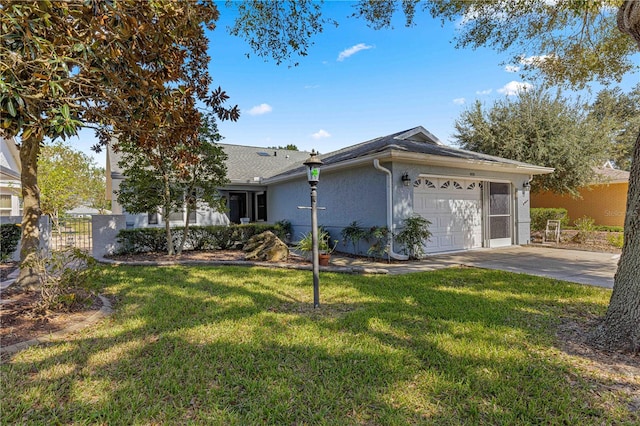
column 454, row 208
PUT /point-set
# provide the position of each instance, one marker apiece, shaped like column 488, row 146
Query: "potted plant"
column 324, row 246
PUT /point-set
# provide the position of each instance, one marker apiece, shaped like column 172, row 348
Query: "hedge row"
column 218, row 237
column 9, row 239
column 540, row 216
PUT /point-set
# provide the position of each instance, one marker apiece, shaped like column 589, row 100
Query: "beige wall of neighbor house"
column 604, row 203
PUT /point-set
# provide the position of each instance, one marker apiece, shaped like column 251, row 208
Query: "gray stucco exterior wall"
column 104, row 229
column 357, row 194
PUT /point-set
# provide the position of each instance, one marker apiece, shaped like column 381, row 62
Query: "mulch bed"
column 23, row 320
column 199, row 255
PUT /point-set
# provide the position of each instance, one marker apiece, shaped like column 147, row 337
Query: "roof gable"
column 419, row 134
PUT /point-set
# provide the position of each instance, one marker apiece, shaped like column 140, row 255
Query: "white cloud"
column 534, row 60
column 312, row 86
column 459, row 101
column 514, row 87
column 512, row 68
column 260, row 109
column 321, row 134
column 352, row 51
column 484, row 92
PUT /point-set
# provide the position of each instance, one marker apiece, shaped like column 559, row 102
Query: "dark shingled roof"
column 415, row 141
column 245, row 163
column 251, row 165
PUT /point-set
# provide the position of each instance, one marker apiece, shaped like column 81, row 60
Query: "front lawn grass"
column 230, row 345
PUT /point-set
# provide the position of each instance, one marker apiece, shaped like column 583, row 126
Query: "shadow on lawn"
column 243, row 346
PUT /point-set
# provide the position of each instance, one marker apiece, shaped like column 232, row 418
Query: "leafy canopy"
column 68, row 179
column 541, row 129
column 621, row 113
column 185, row 177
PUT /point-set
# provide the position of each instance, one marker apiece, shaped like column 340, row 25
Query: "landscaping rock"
column 266, row 247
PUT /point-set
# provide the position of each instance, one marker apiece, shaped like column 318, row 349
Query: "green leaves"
column 67, row 179
column 541, row 129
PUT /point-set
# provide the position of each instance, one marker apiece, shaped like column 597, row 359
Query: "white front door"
column 454, row 208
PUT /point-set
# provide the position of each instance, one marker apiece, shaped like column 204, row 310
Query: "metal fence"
column 72, row 232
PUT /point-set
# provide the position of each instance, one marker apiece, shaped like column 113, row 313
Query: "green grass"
column 207, row 345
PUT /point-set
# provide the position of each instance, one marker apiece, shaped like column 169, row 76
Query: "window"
column 152, row 218
column 176, row 216
column 192, row 216
column 261, row 204
column 5, row 205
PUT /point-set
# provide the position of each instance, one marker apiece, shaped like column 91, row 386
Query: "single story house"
column 604, row 200
column 472, row 200
column 10, row 186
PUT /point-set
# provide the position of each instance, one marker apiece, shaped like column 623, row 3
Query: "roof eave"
column 438, row 160
column 459, row 163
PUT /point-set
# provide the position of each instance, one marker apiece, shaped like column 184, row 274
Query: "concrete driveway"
column 582, row 267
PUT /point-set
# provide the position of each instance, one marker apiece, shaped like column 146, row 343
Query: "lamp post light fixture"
column 313, row 176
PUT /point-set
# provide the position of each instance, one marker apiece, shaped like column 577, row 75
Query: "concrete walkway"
column 584, row 267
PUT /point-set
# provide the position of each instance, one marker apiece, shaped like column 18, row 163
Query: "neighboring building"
column 10, row 186
column 605, row 200
column 473, row 200
column 85, row 211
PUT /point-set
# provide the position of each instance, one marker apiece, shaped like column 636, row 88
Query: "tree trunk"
column 30, row 242
column 620, row 329
column 167, row 212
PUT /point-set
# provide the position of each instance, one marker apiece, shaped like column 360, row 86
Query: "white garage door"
column 454, row 208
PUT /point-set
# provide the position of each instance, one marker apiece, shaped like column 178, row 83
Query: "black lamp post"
column 313, row 176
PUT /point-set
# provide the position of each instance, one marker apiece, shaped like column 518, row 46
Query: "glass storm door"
column 499, row 219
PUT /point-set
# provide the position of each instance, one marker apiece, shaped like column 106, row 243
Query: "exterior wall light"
column 526, row 186
column 406, row 180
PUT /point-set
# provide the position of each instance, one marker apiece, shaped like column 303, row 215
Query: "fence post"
column 104, row 230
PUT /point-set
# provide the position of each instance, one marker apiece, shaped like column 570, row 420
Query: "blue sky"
column 355, row 84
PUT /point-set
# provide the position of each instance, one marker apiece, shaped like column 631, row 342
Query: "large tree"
column 538, row 128
column 133, row 67
column 620, row 112
column 176, row 180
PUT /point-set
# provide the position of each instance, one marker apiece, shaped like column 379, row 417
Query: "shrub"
column 413, row 236
column 540, row 216
column 379, row 238
column 616, row 240
column 9, row 239
column 215, row 237
column 305, row 245
column 609, row 228
column 67, row 277
column 586, row 227
column 142, row 240
column 283, row 230
column 353, row 233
